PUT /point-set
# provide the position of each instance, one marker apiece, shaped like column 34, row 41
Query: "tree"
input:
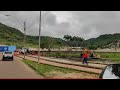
column 115, row 44
column 43, row 45
column 59, row 44
column 74, row 41
column 67, row 37
column 94, row 47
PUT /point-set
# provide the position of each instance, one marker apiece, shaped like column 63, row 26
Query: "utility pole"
column 39, row 37
column 24, row 32
column 24, row 38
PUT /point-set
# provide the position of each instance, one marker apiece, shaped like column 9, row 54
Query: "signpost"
column 7, row 48
column 11, row 48
column 3, row 48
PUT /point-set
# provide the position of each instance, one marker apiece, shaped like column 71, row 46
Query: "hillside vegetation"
column 12, row 36
column 103, row 41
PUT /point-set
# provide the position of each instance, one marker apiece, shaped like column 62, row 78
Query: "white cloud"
column 62, row 16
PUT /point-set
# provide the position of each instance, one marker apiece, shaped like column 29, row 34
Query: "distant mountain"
column 103, row 41
column 12, row 36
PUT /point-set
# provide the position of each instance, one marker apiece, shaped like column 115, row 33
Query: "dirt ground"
column 65, row 65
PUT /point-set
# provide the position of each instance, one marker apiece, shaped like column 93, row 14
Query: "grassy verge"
column 63, row 55
column 111, row 56
column 45, row 70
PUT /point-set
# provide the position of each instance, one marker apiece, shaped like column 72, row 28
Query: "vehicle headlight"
column 5, row 56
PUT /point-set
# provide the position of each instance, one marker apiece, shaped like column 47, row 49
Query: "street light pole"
column 39, row 37
column 24, row 37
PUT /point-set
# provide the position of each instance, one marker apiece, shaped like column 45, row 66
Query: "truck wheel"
column 3, row 59
column 12, row 58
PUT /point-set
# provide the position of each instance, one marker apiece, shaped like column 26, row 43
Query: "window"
column 8, row 52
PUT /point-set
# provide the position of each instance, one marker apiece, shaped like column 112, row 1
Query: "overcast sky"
column 86, row 24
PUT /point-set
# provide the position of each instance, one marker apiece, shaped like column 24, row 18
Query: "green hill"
column 12, row 36
column 103, row 41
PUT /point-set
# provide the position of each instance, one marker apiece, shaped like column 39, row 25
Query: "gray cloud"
column 96, row 23
column 86, row 24
column 49, row 20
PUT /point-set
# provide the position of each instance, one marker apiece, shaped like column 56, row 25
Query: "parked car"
column 111, row 71
column 7, row 55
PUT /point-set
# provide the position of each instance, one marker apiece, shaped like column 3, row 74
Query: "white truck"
column 7, row 55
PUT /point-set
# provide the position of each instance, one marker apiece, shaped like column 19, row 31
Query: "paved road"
column 16, row 70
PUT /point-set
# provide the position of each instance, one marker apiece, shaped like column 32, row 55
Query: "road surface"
column 16, row 70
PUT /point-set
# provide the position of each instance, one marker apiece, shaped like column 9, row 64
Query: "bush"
column 93, row 47
column 63, row 55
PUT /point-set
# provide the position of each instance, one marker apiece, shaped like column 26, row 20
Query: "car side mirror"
column 111, row 71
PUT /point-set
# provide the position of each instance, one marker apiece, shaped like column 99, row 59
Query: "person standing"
column 85, row 57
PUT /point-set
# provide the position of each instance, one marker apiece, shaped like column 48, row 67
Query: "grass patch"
column 112, row 56
column 63, row 55
column 108, row 56
column 44, row 69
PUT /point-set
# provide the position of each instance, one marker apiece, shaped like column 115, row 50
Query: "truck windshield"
column 8, row 52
